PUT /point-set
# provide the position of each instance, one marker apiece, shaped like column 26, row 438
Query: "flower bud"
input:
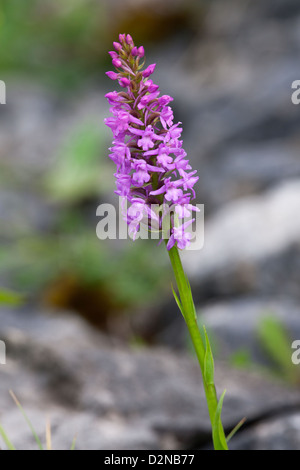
column 129, row 40
column 117, row 63
column 149, row 70
column 152, row 87
column 113, row 54
column 117, row 46
column 141, row 51
column 112, row 75
column 112, row 97
column 134, row 51
column 124, row 82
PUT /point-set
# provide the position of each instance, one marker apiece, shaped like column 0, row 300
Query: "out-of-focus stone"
column 251, row 246
column 111, row 396
column 278, row 433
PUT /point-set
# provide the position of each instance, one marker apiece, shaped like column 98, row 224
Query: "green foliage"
column 40, row 446
column 241, row 359
column 139, row 277
column 131, row 275
column 8, row 297
column 53, row 40
column 73, row 446
column 235, row 429
column 218, row 432
column 9, row 444
column 177, row 301
column 6, row 439
column 189, row 294
column 277, row 344
column 80, row 170
column 202, row 349
column 209, row 367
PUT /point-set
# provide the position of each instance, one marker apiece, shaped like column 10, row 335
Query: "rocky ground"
column 115, row 397
column 232, row 87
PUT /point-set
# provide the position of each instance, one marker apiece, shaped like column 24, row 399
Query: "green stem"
column 189, row 313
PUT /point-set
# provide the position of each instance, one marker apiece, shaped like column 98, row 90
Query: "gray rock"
column 36, row 123
column 279, row 433
column 251, row 246
column 23, row 213
column 242, row 169
column 232, row 90
column 111, row 396
column 235, row 325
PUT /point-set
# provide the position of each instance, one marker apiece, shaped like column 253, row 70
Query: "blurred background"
column 106, row 307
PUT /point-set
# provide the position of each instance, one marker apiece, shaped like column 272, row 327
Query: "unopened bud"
column 117, row 63
column 141, row 51
column 134, row 51
column 149, row 70
column 113, row 54
column 117, row 46
column 124, row 82
column 112, row 75
column 129, row 40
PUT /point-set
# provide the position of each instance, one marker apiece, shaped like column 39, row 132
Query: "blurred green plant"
column 241, row 359
column 6, row 439
column 10, row 445
column 276, row 342
column 80, row 170
column 130, row 277
column 57, row 41
column 67, row 261
column 8, row 297
column 213, row 339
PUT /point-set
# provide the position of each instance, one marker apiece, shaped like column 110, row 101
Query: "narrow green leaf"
column 209, row 367
column 48, row 435
column 76, row 172
column 235, row 429
column 190, row 295
column 74, row 443
column 177, row 301
column 27, row 420
column 6, row 439
column 241, row 359
column 8, row 297
column 276, row 341
column 218, row 432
